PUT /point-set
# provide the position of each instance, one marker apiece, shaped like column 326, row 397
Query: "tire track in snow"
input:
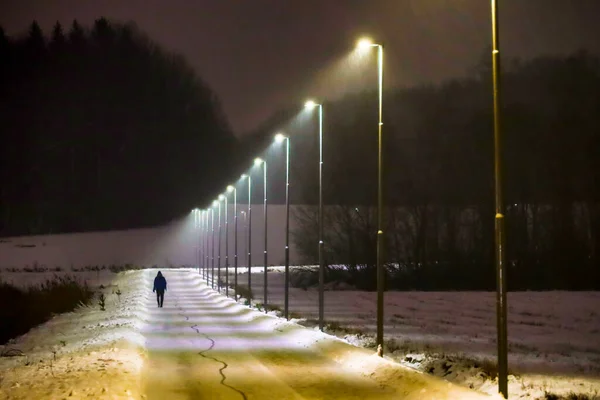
column 212, row 345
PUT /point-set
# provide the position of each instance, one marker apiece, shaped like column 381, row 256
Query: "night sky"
column 259, row 55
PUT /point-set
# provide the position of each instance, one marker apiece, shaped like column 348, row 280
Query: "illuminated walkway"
column 202, row 345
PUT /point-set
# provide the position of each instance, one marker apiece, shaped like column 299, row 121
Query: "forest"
column 103, row 129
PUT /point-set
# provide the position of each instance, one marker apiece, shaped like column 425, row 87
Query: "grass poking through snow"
column 568, row 396
column 22, row 309
column 243, row 291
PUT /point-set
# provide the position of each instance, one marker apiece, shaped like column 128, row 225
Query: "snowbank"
column 87, row 353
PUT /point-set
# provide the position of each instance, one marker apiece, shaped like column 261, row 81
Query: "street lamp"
column 206, row 241
column 257, row 162
column 245, row 228
column 279, row 138
column 501, row 306
column 201, row 243
column 365, row 44
column 199, row 238
column 220, row 198
column 310, row 104
column 196, row 226
column 229, row 190
column 224, row 198
column 206, row 237
column 249, row 178
column 212, row 273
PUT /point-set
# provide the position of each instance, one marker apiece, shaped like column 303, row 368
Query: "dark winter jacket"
column 160, row 283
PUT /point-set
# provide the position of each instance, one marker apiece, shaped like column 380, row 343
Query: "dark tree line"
column 439, row 180
column 100, row 128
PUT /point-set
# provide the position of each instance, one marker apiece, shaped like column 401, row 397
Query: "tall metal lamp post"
column 196, row 215
column 245, row 228
column 226, row 245
column 206, row 241
column 220, row 198
column 212, row 273
column 501, row 301
column 200, row 241
column 365, row 44
column 257, row 162
column 310, row 105
column 230, row 189
column 279, row 138
column 249, row 178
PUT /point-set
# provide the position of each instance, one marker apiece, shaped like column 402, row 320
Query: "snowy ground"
column 554, row 343
column 85, row 354
column 200, row 345
column 553, row 337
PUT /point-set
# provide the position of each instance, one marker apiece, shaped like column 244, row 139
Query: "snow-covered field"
column 554, row 337
column 200, row 343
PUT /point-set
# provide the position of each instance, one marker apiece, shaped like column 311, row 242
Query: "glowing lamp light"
column 244, row 176
column 364, row 44
column 215, row 203
column 221, row 197
column 280, row 137
column 258, row 161
column 230, row 189
column 310, row 105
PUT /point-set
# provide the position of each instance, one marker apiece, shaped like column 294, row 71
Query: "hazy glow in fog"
column 351, row 73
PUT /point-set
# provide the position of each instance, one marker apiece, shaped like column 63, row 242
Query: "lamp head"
column 243, row 176
column 364, row 44
column 280, row 137
column 258, row 161
column 230, row 189
column 221, row 197
column 310, row 104
column 215, row 203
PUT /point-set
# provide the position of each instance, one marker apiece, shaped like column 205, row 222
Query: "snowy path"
column 202, row 345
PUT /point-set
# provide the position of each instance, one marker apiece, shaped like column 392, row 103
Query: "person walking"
column 160, row 287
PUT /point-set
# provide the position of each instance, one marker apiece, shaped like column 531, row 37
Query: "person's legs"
column 162, row 297
column 158, row 297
